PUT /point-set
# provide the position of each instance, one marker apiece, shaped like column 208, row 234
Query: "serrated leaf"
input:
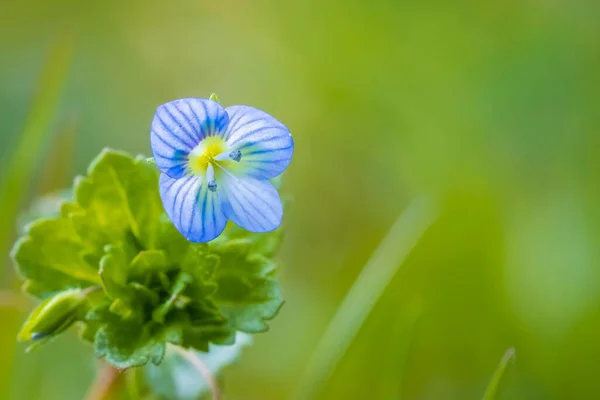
column 50, row 257
column 247, row 293
column 120, row 194
column 200, row 337
column 125, row 344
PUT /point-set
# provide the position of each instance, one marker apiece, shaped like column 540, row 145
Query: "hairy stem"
column 202, row 370
column 103, row 386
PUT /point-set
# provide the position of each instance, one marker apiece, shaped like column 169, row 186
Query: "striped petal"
column 195, row 211
column 251, row 203
column 178, row 126
column 266, row 145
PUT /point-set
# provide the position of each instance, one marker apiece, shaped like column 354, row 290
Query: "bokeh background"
column 491, row 110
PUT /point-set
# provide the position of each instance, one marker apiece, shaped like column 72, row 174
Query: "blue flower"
column 216, row 164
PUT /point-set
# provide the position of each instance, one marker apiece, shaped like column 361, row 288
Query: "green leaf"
column 201, row 264
column 175, row 295
column 120, row 194
column 86, row 228
column 50, row 257
column 171, row 241
column 247, row 294
column 125, row 343
column 113, row 271
column 148, row 262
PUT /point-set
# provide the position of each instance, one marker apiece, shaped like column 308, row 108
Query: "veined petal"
column 195, row 211
column 251, row 203
column 177, row 128
column 266, row 144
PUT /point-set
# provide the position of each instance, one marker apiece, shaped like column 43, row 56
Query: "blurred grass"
column 19, row 172
column 364, row 294
column 57, row 175
column 17, row 177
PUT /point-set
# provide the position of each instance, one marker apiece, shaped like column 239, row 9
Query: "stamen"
column 236, row 155
column 210, row 178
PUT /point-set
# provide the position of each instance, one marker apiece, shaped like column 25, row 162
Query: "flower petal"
column 265, row 143
column 251, row 203
column 178, row 126
column 195, row 211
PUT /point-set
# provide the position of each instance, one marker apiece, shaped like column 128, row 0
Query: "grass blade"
column 364, row 293
column 395, row 362
column 21, row 168
column 490, row 392
column 16, row 180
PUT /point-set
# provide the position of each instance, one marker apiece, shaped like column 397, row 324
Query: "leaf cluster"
column 113, row 263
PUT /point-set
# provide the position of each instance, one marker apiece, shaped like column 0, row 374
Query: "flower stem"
column 202, row 370
column 103, row 386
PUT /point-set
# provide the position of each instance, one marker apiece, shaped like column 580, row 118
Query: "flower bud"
column 53, row 315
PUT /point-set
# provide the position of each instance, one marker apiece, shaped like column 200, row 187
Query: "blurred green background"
column 490, row 109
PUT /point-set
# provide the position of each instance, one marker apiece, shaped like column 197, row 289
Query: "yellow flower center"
column 205, row 153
